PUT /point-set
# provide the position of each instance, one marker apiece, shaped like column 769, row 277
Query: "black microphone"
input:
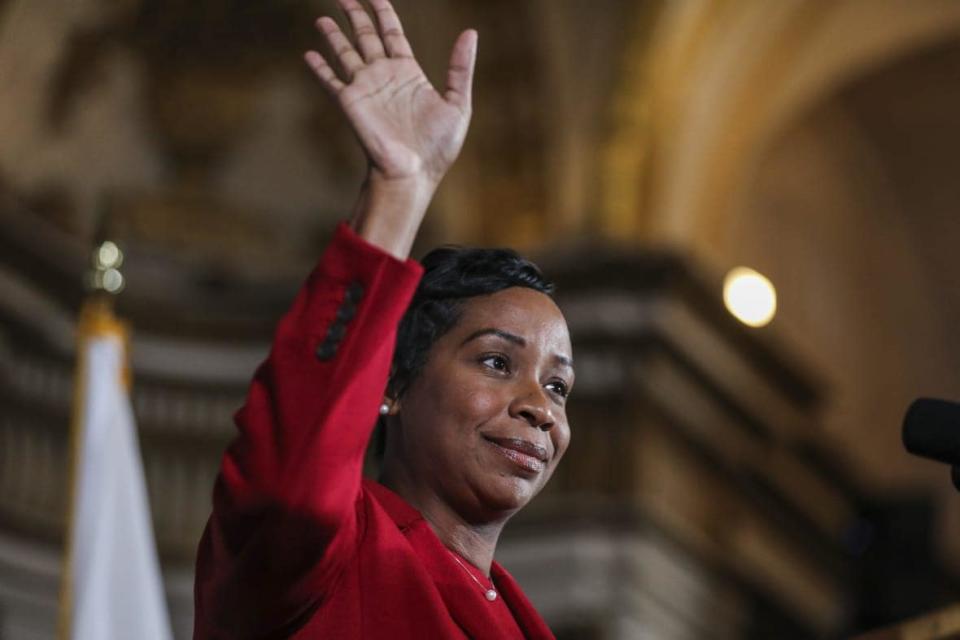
column 931, row 429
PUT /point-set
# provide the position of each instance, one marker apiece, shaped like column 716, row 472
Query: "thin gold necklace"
column 490, row 594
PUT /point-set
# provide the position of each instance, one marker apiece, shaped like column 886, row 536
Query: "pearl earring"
column 384, row 409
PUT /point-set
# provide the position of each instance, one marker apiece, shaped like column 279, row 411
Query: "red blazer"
column 298, row 545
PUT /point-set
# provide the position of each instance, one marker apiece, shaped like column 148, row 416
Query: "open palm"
column 406, row 127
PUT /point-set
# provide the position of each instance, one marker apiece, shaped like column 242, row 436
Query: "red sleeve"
column 284, row 519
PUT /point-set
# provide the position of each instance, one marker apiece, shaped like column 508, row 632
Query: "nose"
column 533, row 406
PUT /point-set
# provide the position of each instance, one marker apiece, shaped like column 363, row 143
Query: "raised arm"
column 410, row 132
column 284, row 518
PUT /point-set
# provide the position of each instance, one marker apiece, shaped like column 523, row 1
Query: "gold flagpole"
column 96, row 319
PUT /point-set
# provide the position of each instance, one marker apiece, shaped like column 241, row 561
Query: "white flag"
column 114, row 585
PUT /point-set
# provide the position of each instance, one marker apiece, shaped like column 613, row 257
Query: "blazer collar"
column 464, row 600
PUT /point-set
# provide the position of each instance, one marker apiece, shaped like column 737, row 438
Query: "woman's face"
column 484, row 424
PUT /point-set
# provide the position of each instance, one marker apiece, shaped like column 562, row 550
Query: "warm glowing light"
column 750, row 297
column 108, row 256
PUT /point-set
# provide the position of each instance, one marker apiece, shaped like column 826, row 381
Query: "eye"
column 496, row 362
column 559, row 387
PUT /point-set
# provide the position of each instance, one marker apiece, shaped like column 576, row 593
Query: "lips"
column 527, row 455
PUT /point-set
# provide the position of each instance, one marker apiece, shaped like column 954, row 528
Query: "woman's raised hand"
column 409, row 130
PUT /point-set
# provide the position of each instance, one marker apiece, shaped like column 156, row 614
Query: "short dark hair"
column 451, row 275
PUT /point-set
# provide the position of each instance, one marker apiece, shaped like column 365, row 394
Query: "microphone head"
column 931, row 429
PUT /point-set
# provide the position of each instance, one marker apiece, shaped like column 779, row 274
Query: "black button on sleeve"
column 326, row 350
column 335, row 332
column 346, row 312
column 354, row 292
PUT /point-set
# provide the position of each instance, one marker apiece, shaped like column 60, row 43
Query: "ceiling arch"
column 719, row 81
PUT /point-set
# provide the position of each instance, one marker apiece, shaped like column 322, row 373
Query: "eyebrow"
column 509, row 337
column 515, row 339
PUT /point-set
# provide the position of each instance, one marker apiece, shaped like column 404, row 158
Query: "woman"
column 299, row 545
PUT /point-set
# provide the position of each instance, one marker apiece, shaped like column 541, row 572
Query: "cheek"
column 480, row 404
column 462, row 404
column 561, row 440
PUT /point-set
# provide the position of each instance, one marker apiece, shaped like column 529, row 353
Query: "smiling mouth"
column 524, row 454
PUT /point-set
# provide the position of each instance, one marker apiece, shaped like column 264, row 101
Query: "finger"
column 463, row 60
column 328, row 77
column 349, row 59
column 363, row 30
column 391, row 30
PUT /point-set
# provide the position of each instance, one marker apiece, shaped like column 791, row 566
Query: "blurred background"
column 724, row 481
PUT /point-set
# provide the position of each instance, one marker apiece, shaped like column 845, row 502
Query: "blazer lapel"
column 464, row 600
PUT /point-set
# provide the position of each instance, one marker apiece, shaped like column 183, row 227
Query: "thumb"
column 463, row 59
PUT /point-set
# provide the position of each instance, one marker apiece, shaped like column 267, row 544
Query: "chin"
column 509, row 494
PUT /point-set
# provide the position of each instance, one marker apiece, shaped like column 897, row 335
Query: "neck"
column 475, row 541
